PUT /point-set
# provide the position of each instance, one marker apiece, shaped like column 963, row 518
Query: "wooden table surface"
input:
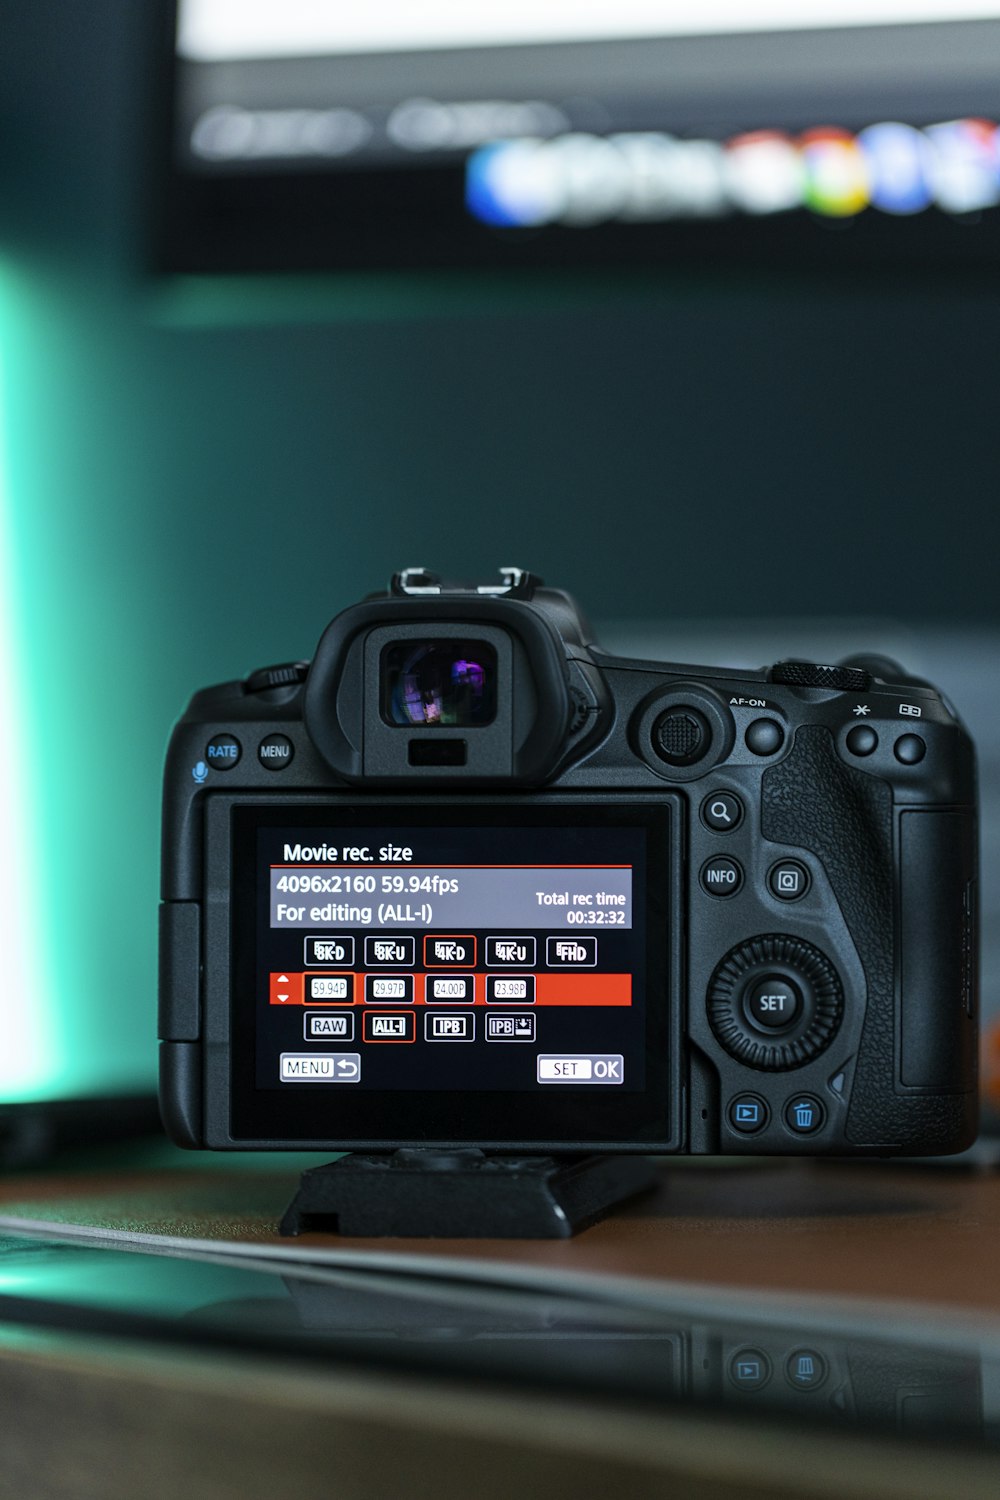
column 927, row 1235
column 86, row 1417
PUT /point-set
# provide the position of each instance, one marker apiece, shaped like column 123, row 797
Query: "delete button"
column 587, row 1067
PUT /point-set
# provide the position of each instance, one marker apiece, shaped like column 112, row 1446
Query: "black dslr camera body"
column 467, row 880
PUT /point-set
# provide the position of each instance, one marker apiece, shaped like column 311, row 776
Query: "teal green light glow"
column 31, row 1062
column 85, row 625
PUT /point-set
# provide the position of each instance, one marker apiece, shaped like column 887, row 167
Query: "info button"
column 721, row 876
column 585, row 1067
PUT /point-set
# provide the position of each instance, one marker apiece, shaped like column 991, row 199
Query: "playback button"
column 747, row 1113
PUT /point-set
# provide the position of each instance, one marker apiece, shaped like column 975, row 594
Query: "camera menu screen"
column 438, row 956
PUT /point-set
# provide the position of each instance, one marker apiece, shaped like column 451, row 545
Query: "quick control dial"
column 775, row 1002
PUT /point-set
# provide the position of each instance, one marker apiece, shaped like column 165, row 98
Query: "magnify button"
column 722, row 812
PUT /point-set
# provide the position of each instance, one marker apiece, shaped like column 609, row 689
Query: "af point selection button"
column 275, row 753
column 223, row 752
column 721, row 876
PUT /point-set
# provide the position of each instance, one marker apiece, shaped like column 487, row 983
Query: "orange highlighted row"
column 550, row 989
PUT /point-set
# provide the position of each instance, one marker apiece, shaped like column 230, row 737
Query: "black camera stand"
column 464, row 1194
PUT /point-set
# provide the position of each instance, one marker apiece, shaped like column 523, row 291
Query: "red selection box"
column 384, row 1026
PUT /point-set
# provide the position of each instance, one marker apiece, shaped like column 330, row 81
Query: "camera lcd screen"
column 448, row 684
column 508, row 964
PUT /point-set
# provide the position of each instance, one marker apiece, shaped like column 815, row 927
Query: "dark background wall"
column 192, row 494
column 691, row 445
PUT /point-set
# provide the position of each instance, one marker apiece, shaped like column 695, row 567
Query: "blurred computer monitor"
column 510, row 133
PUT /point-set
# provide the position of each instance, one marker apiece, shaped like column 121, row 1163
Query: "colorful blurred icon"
column 764, row 172
column 898, row 158
column 583, row 179
column 964, row 165
column 836, row 173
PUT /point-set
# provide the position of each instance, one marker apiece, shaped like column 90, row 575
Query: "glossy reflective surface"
column 942, row 1381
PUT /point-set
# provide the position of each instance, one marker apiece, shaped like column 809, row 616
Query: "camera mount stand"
column 463, row 1194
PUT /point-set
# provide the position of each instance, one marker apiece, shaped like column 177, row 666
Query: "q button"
column 722, row 812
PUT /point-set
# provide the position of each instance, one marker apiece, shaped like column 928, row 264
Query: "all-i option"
column 379, row 1026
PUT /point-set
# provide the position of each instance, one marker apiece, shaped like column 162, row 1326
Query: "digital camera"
column 465, row 879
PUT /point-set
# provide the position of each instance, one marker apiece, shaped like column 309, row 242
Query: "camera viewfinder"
column 439, row 684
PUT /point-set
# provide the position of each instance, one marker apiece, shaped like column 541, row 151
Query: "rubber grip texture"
column 813, row 801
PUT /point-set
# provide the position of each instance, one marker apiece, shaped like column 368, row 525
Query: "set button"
column 772, row 1003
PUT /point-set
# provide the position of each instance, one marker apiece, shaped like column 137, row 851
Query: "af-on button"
column 764, row 736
